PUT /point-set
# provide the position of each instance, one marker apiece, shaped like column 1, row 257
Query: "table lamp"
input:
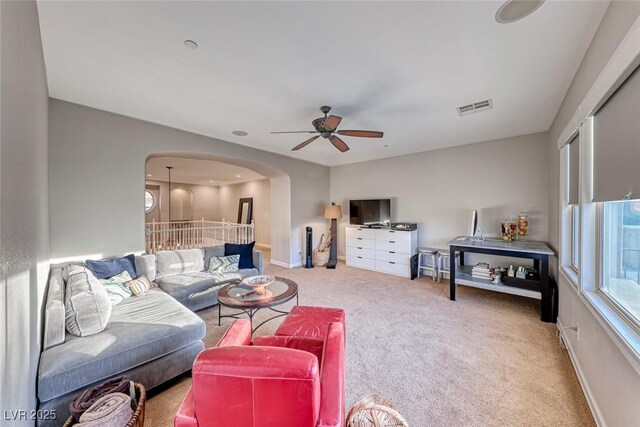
column 333, row 212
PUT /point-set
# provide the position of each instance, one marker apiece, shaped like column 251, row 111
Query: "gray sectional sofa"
column 150, row 338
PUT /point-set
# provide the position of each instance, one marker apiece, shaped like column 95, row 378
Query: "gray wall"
column 24, row 213
column 98, row 175
column 609, row 381
column 439, row 189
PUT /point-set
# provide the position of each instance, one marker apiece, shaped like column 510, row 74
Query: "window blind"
column 574, row 169
column 616, row 152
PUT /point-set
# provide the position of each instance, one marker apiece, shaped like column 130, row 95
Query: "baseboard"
column 593, row 405
column 285, row 264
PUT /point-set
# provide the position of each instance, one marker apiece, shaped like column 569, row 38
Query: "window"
column 149, row 201
column 575, row 237
column 620, row 269
column 573, row 201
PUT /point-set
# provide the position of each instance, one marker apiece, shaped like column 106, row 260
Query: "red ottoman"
column 305, row 321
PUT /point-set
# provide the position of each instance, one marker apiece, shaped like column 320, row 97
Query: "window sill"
column 571, row 276
column 625, row 336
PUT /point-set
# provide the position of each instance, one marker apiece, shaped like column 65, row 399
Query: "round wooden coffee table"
column 244, row 298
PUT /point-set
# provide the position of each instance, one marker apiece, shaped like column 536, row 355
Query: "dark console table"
column 537, row 251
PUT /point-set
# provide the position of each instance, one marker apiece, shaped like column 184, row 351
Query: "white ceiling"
column 198, row 171
column 402, row 68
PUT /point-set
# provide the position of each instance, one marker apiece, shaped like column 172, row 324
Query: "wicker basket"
column 137, row 420
column 320, row 258
column 374, row 410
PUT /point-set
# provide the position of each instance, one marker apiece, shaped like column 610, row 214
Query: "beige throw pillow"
column 139, row 285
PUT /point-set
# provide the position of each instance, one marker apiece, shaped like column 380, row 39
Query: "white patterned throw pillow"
column 87, row 304
column 116, row 287
column 224, row 264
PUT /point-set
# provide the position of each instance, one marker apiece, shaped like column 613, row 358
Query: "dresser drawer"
column 361, row 252
column 393, row 246
column 403, row 237
column 398, row 258
column 359, row 242
column 363, row 233
column 360, row 262
column 392, row 268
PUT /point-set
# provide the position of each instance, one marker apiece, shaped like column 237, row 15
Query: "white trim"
column 569, row 132
column 591, row 401
column 279, row 263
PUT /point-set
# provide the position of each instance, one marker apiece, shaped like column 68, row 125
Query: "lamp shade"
column 333, row 211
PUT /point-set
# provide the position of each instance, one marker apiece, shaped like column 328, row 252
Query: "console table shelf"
column 539, row 252
column 464, row 277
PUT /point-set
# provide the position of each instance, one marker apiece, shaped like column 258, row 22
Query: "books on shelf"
column 482, row 270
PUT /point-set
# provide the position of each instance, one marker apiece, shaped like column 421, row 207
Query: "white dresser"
column 381, row 249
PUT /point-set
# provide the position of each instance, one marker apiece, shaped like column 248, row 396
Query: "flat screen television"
column 370, row 212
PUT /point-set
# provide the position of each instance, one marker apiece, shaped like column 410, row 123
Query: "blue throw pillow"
column 106, row 268
column 245, row 252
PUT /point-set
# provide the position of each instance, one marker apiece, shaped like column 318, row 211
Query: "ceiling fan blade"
column 361, row 133
column 298, row 131
column 338, row 143
column 332, row 122
column 304, row 144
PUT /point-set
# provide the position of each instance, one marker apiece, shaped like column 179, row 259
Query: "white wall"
column 205, row 201
column 97, row 182
column 611, row 384
column 260, row 190
column 439, row 189
column 24, row 213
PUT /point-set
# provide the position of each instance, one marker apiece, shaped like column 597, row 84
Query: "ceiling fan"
column 326, row 126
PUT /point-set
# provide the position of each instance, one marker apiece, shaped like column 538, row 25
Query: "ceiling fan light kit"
column 327, row 126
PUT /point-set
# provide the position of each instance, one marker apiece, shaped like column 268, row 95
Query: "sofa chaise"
column 149, row 338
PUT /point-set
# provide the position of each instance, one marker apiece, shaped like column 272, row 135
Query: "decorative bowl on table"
column 258, row 283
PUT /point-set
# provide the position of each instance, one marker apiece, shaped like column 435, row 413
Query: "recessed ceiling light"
column 239, row 133
column 210, row 180
column 149, row 175
column 237, row 176
column 191, row 44
column 515, row 10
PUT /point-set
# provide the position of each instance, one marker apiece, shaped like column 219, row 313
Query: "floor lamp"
column 333, row 212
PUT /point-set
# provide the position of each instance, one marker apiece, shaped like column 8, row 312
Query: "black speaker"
column 309, row 260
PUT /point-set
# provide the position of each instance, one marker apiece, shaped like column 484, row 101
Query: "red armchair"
column 274, row 381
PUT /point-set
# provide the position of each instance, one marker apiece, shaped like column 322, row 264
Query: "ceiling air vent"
column 476, row 107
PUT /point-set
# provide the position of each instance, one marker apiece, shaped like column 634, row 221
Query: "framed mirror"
column 245, row 210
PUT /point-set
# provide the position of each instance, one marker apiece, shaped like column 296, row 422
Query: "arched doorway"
column 271, row 213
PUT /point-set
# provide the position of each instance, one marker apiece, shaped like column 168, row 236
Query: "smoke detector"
column 476, row 107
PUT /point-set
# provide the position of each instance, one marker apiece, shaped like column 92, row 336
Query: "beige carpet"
column 483, row 360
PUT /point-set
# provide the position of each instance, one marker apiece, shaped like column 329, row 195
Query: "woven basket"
column 373, row 411
column 320, row 258
column 137, row 420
